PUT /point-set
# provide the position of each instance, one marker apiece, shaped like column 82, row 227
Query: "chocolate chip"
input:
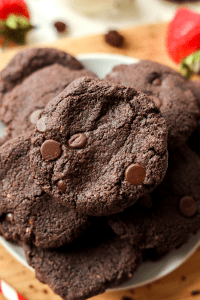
column 77, row 141
column 145, row 201
column 135, row 174
column 156, row 81
column 9, row 217
column 42, row 124
column 50, row 150
column 34, row 116
column 114, row 39
column 127, row 298
column 187, row 206
column 195, row 292
column 60, row 26
column 62, row 185
column 183, row 277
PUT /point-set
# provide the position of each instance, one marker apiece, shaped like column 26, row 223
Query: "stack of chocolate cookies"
column 95, row 173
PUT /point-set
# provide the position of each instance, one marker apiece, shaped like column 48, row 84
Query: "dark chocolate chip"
column 145, row 201
column 183, row 277
column 77, row 141
column 187, row 206
column 42, row 124
column 50, row 150
column 114, row 39
column 195, row 292
column 60, row 26
column 127, row 298
column 135, row 174
column 34, row 116
column 9, row 217
column 157, row 81
column 62, row 185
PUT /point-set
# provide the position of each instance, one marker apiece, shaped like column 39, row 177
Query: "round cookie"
column 26, row 92
column 166, row 218
column 170, row 91
column 30, row 60
column 26, row 212
column 98, row 143
column 94, row 262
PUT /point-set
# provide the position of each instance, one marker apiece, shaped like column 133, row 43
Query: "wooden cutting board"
column 146, row 42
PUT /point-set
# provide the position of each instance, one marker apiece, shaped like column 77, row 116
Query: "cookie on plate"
column 166, row 218
column 26, row 212
column 31, row 79
column 98, row 143
column 171, row 92
column 94, row 262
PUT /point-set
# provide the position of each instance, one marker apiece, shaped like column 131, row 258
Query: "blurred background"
column 96, row 16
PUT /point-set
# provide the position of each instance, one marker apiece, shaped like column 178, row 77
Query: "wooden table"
column 142, row 42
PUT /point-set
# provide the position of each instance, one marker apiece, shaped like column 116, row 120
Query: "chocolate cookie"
column 167, row 217
column 30, row 81
column 26, row 212
column 92, row 263
column 170, row 91
column 97, row 144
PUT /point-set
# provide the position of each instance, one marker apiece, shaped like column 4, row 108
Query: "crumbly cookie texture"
column 97, row 144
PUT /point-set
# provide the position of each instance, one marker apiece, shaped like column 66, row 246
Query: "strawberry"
column 15, row 7
column 14, row 22
column 183, row 41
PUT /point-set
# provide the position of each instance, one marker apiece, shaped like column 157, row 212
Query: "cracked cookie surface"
column 171, row 92
column 27, row 213
column 98, row 143
column 31, row 79
column 94, row 262
column 165, row 219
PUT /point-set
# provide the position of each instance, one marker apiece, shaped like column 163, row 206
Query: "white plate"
column 101, row 64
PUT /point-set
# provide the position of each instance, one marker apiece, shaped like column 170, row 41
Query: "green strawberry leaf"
column 15, row 29
column 190, row 65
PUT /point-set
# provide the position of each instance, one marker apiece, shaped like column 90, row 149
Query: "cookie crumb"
column 183, row 277
column 114, row 39
column 195, row 292
column 31, row 286
column 45, row 291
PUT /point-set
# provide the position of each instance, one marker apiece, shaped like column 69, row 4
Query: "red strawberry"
column 16, row 7
column 14, row 22
column 183, row 40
